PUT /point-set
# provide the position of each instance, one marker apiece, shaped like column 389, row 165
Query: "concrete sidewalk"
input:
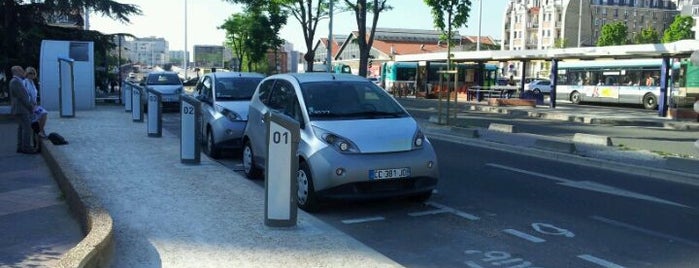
column 162, row 213
column 36, row 225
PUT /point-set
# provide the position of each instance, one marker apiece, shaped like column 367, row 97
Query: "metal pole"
column 480, row 18
column 328, row 58
column 579, row 20
column 185, row 58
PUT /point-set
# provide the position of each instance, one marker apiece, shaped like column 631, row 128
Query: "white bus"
column 614, row 81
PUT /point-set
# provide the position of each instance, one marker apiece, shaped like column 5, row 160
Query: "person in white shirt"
column 40, row 115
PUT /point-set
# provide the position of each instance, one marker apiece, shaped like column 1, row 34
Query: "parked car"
column 357, row 142
column 539, row 86
column 168, row 84
column 225, row 98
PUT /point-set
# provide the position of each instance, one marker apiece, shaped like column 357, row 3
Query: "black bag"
column 57, row 139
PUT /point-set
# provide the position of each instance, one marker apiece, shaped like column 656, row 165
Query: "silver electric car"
column 357, row 141
column 225, row 98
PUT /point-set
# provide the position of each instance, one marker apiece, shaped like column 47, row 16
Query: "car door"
column 255, row 129
column 281, row 99
column 205, row 91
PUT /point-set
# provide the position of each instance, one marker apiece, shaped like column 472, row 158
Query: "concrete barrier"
column 95, row 249
column 501, row 127
column 554, row 145
column 466, row 132
column 592, row 139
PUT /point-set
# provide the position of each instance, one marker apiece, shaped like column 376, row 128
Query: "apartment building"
column 544, row 24
column 149, row 51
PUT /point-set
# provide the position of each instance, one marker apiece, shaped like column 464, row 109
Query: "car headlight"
column 231, row 115
column 418, row 139
column 338, row 142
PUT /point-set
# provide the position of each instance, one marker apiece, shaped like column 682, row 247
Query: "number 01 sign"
column 281, row 163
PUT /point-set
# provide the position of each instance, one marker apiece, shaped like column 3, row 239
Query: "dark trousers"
column 24, row 132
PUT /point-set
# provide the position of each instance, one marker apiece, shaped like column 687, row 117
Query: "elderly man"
column 21, row 108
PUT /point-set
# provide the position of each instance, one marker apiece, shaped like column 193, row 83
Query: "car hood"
column 374, row 135
column 166, row 89
column 239, row 107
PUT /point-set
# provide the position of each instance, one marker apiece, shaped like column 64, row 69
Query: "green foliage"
column 560, row 43
column 680, row 29
column 253, row 34
column 449, row 14
column 613, row 34
column 23, row 24
column 647, row 36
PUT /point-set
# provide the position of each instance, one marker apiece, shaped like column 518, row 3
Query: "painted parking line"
column 429, row 212
column 524, row 236
column 646, row 231
column 454, row 211
column 600, row 262
column 363, row 220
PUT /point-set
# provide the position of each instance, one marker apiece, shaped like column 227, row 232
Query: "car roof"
column 235, row 74
column 162, row 72
column 317, row 77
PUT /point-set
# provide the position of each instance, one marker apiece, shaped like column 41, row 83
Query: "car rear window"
column 163, row 79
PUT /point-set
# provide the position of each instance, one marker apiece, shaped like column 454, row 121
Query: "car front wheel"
column 306, row 197
column 251, row 171
column 211, row 149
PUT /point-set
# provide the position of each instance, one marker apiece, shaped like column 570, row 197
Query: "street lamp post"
column 328, row 58
column 185, row 58
column 579, row 21
column 480, row 19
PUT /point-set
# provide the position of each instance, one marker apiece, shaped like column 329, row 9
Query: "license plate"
column 389, row 173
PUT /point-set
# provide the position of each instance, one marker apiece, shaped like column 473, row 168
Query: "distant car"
column 539, row 86
column 168, row 84
column 357, row 141
column 375, row 80
column 225, row 98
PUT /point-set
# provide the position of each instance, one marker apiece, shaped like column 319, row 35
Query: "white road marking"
column 472, row 264
column 646, row 231
column 524, row 236
column 454, row 211
column 429, row 212
column 363, row 220
column 600, row 262
column 549, row 229
column 590, row 185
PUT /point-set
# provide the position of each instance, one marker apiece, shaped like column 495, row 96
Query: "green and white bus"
column 625, row 81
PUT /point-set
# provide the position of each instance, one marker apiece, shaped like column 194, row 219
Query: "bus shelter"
column 666, row 53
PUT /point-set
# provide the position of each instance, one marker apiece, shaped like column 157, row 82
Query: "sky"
column 166, row 19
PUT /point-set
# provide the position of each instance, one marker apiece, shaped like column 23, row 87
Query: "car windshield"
column 333, row 100
column 236, row 88
column 163, row 79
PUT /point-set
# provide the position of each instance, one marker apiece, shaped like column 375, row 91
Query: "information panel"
column 136, row 107
column 127, row 96
column 155, row 112
column 280, row 174
column 190, row 130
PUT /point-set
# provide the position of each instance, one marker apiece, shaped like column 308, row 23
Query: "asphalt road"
column 498, row 209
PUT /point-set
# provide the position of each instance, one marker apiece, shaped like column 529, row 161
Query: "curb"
column 95, row 249
column 656, row 173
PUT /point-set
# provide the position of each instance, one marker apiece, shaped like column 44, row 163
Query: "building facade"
column 544, row 24
column 149, row 51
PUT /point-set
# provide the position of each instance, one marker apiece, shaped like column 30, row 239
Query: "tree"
column 24, row 24
column 253, row 33
column 613, row 34
column 680, row 29
column 560, row 43
column 360, row 8
column 647, row 36
column 307, row 12
column 456, row 11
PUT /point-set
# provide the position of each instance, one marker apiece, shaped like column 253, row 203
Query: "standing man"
column 21, row 108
